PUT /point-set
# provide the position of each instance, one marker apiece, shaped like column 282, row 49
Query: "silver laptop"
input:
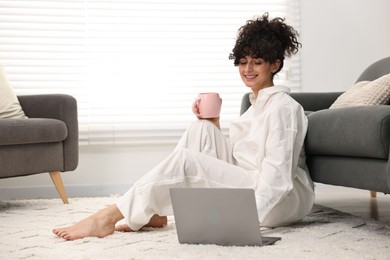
column 217, row 216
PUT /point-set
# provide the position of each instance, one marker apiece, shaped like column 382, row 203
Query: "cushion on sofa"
column 366, row 93
column 349, row 131
column 31, row 131
column 9, row 103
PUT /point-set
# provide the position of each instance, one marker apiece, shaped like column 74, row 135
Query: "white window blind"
column 135, row 67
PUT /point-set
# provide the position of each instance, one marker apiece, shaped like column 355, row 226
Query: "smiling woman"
column 134, row 66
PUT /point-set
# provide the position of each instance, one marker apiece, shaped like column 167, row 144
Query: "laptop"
column 220, row 216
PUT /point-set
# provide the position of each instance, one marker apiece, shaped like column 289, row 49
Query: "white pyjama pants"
column 202, row 158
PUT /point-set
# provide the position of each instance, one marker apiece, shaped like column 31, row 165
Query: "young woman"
column 265, row 151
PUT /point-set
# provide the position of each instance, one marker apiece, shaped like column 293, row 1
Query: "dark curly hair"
column 270, row 40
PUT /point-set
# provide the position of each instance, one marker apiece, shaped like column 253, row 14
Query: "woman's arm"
column 279, row 159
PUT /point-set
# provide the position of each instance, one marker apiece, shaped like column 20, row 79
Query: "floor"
column 354, row 201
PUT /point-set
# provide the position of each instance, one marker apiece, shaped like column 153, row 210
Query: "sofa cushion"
column 350, row 131
column 9, row 103
column 366, row 93
column 31, row 131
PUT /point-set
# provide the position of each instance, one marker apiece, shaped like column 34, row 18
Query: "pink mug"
column 207, row 105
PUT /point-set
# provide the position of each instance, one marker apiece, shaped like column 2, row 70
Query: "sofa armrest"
column 350, row 131
column 57, row 106
column 314, row 101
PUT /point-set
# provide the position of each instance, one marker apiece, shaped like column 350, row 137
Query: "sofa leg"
column 56, row 178
column 374, row 206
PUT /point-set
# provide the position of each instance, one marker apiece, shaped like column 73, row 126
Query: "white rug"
column 25, row 233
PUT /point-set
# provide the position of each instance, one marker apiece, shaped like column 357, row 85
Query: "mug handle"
column 195, row 108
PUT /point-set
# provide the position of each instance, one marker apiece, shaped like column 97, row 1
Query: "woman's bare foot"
column 123, row 228
column 155, row 222
column 100, row 224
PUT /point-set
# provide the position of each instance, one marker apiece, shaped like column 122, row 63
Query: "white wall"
column 340, row 38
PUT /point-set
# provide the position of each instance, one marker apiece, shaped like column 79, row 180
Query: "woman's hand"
column 195, row 110
column 214, row 120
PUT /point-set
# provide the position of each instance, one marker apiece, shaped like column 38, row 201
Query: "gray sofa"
column 347, row 146
column 45, row 142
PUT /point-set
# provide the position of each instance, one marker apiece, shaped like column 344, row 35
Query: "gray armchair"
column 347, row 146
column 45, row 142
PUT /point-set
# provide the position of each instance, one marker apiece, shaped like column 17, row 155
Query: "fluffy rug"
column 25, row 232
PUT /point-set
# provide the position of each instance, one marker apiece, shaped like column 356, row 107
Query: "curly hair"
column 270, row 40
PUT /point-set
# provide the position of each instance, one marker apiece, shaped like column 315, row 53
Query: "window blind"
column 135, row 67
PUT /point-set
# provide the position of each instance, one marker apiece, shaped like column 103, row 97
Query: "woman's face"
column 257, row 73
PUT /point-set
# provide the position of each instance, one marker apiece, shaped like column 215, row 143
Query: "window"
column 135, row 67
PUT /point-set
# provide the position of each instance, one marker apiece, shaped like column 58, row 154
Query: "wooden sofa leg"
column 374, row 206
column 56, row 178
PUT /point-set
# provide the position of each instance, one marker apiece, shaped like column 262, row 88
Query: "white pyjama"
column 264, row 152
